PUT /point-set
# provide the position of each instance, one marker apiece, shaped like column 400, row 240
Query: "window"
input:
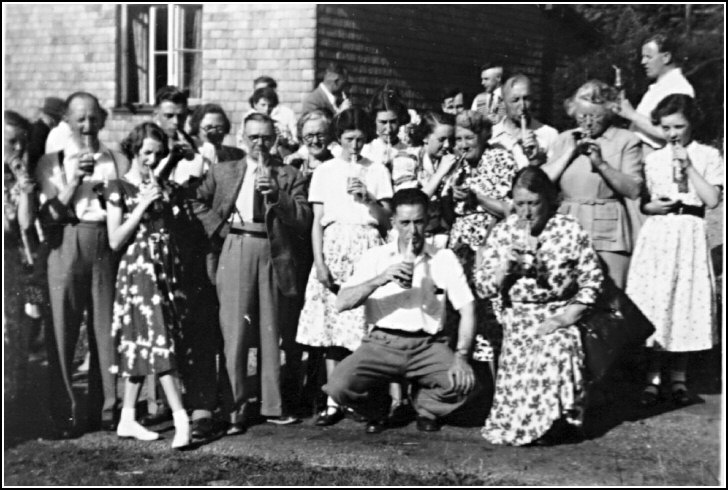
column 160, row 45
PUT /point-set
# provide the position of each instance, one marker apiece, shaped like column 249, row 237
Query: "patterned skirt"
column 671, row 281
column 320, row 324
column 147, row 307
column 540, row 378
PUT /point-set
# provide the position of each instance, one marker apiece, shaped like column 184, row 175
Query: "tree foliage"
column 623, row 28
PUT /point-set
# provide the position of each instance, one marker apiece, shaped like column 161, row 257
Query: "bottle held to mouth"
column 679, row 174
column 86, row 156
column 409, row 262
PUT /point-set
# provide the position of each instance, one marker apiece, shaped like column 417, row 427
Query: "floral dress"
column 148, row 302
column 671, row 274
column 540, row 378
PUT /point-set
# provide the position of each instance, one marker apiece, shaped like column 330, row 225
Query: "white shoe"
column 181, row 430
column 135, row 430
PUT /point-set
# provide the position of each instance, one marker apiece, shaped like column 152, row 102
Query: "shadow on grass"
column 39, row 463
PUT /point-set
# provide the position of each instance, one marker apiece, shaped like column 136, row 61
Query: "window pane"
column 191, row 26
column 160, row 71
column 191, row 71
column 160, row 43
column 138, row 54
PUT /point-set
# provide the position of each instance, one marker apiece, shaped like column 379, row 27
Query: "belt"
column 589, row 201
column 698, row 211
column 255, row 234
column 402, row 333
column 91, row 224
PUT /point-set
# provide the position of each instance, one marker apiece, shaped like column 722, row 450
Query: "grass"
column 44, row 463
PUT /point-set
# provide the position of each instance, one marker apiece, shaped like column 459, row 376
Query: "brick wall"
column 58, row 49
column 425, row 47
column 243, row 41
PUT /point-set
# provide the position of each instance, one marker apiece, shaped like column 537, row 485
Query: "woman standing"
column 210, row 124
column 147, row 310
column 389, row 114
column 543, row 267
column 350, row 197
column 596, row 166
column 263, row 101
column 314, row 130
column 18, row 218
column 671, row 278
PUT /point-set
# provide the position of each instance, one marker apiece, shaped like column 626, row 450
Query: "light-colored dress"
column 349, row 230
column 671, row 276
column 540, row 378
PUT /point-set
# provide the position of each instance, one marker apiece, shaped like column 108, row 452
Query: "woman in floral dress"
column 478, row 191
column 350, row 196
column 147, row 310
column 671, row 277
column 543, row 266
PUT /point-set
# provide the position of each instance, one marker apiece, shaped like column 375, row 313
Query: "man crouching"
column 403, row 286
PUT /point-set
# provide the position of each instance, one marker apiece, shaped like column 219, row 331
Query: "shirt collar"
column 73, row 148
column 428, row 250
column 669, row 77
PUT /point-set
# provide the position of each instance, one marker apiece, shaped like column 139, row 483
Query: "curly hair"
column 474, row 121
column 264, row 93
column 594, row 92
column 429, row 121
column 131, row 145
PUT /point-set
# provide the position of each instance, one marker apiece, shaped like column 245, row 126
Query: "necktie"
column 258, row 207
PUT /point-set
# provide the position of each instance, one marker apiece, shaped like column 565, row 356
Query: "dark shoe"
column 207, row 428
column 283, row 420
column 109, row 425
column 680, row 395
column 66, row 430
column 375, row 426
column 401, row 414
column 650, row 396
column 236, row 428
column 352, row 414
column 151, row 419
column 330, row 416
column 428, row 425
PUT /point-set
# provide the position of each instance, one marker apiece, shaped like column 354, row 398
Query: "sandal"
column 650, row 395
column 680, row 394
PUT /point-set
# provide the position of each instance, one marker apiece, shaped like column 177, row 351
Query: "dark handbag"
column 614, row 324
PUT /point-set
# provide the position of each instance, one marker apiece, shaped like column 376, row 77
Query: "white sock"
column 181, row 429
column 129, row 427
column 653, row 378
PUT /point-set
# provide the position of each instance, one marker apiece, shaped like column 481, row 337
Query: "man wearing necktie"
column 255, row 209
column 490, row 102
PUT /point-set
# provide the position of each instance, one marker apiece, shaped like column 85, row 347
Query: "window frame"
column 174, row 52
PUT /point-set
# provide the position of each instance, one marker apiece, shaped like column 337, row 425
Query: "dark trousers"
column 81, row 278
column 361, row 381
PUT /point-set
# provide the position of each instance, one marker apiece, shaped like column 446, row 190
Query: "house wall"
column 54, row 50
column 422, row 48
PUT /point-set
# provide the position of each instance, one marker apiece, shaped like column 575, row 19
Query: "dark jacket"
column 287, row 221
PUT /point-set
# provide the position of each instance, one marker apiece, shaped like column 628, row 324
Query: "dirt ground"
column 625, row 446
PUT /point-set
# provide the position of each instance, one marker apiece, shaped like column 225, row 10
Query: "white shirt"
column 545, row 136
column 328, row 187
column 437, row 274
column 244, row 201
column 85, row 202
column 672, row 82
column 488, row 101
column 659, row 172
column 378, row 151
column 58, row 137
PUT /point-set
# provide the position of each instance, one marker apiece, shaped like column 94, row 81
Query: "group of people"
column 402, row 250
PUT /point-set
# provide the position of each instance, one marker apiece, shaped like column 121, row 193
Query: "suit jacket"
column 287, row 221
column 318, row 100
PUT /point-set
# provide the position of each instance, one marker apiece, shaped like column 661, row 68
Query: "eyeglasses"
column 209, row 129
column 309, row 138
column 590, row 117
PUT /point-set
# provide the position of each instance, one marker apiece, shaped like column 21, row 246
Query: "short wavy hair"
column 428, row 122
column 535, row 180
column 134, row 141
column 264, row 93
column 315, row 115
column 388, row 98
column 595, row 92
column 474, row 121
column 678, row 104
column 353, row 119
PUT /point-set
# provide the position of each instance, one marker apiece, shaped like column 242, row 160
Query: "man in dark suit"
column 329, row 96
column 255, row 208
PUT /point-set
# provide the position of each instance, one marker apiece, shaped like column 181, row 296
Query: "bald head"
column 84, row 114
column 517, row 97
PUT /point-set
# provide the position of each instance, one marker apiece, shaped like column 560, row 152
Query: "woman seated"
column 209, row 124
column 544, row 268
